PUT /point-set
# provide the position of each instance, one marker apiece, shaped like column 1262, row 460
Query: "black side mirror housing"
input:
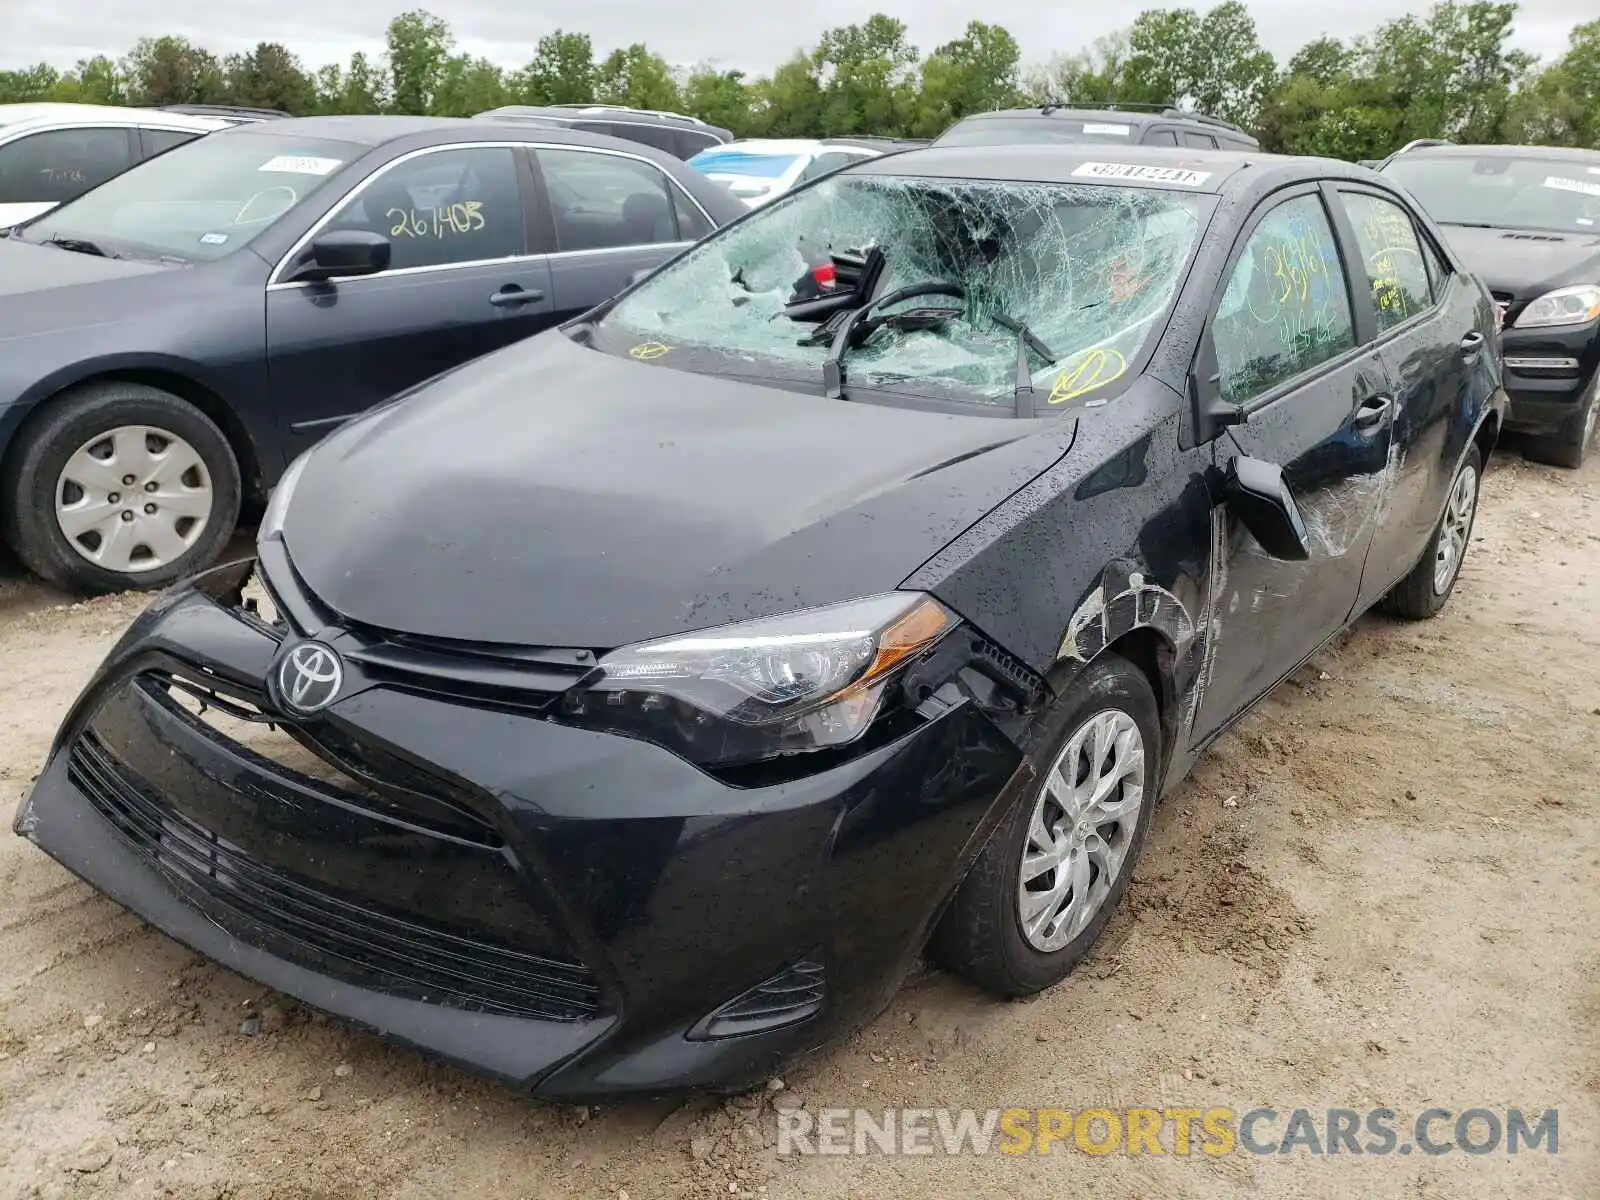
column 1259, row 494
column 346, row 252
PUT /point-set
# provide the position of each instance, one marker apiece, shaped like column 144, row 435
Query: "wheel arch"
column 1487, row 436
column 164, row 377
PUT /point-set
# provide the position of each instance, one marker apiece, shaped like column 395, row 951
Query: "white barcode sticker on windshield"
column 1572, row 185
column 1113, row 130
column 300, row 164
column 1141, row 173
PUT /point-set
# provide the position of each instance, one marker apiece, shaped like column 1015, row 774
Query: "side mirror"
column 346, row 252
column 1259, row 494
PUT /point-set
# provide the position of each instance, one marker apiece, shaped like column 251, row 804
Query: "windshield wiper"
column 1471, row 224
column 1026, row 340
column 77, row 245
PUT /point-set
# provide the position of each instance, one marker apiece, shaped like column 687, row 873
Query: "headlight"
column 1564, row 306
column 760, row 689
column 272, row 520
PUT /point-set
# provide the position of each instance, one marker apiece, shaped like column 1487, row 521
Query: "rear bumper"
column 1548, row 375
column 574, row 940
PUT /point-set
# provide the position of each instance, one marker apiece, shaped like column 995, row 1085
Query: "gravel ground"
column 1381, row 890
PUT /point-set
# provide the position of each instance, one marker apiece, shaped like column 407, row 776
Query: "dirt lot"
column 1381, row 891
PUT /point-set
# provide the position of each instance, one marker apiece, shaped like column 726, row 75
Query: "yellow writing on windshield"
column 440, row 222
column 1095, row 369
column 645, row 351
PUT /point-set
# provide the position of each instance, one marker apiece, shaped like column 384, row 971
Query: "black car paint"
column 1099, row 529
column 277, row 366
column 1519, row 266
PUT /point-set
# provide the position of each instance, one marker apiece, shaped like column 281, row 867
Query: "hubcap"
column 1453, row 533
column 1081, row 829
column 133, row 499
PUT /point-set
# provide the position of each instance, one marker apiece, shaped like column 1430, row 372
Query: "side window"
column 599, row 201
column 159, row 141
column 1162, row 137
column 61, row 164
column 692, row 223
column 1438, row 269
column 1393, row 257
column 449, row 206
column 1286, row 307
column 1200, row 141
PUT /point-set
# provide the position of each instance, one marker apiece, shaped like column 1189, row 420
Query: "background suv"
column 761, row 169
column 1117, row 125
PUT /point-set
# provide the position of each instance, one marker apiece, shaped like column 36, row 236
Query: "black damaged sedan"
column 628, row 709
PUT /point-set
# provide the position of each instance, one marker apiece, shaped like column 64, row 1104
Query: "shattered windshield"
column 1079, row 274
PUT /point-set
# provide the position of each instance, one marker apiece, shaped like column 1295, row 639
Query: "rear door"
column 1425, row 318
column 605, row 216
column 1288, row 349
column 461, row 283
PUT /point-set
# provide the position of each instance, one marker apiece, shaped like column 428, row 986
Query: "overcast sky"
column 747, row 34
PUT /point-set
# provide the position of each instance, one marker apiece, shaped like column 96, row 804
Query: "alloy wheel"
column 134, row 498
column 1083, row 823
column 1453, row 533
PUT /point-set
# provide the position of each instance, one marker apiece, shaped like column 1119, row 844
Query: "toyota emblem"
column 309, row 677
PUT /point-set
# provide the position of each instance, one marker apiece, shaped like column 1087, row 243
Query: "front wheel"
column 1050, row 877
column 1424, row 592
column 120, row 486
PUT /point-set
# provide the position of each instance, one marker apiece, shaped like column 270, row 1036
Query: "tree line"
column 1450, row 72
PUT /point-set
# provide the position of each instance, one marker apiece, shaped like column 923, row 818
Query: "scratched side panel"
column 1115, row 537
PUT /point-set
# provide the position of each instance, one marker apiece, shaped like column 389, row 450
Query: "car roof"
column 1224, row 170
column 603, row 112
column 769, row 146
column 59, row 113
column 1448, row 150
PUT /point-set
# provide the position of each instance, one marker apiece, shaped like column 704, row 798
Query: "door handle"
column 512, row 296
column 1372, row 412
column 1471, row 345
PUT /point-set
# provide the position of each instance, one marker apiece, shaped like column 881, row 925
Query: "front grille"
column 321, row 758
column 350, row 940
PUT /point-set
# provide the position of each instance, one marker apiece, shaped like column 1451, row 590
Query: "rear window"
column 1000, row 131
column 743, row 162
column 1089, row 269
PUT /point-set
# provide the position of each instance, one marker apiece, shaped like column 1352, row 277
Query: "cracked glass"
column 1090, row 270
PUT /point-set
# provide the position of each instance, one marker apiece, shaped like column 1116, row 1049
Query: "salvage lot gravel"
column 1381, row 890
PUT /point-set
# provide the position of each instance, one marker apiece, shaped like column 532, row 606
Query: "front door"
column 608, row 215
column 460, row 284
column 1318, row 406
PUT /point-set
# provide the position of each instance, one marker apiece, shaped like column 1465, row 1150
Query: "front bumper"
column 557, row 908
column 1548, row 374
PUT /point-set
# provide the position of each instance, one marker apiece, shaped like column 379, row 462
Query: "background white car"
column 760, row 169
column 52, row 153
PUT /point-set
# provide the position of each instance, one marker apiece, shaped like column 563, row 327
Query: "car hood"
column 27, row 269
column 1525, row 265
column 551, row 494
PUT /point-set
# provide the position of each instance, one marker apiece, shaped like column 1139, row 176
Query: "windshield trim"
column 276, row 282
column 584, row 328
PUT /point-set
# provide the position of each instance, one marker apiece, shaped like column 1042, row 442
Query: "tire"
column 1571, row 446
column 981, row 934
column 182, row 518
column 1422, row 594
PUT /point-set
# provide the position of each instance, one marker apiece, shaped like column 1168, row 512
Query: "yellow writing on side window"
column 1096, row 368
column 441, row 222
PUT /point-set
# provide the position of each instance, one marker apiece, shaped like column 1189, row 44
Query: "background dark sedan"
column 172, row 339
